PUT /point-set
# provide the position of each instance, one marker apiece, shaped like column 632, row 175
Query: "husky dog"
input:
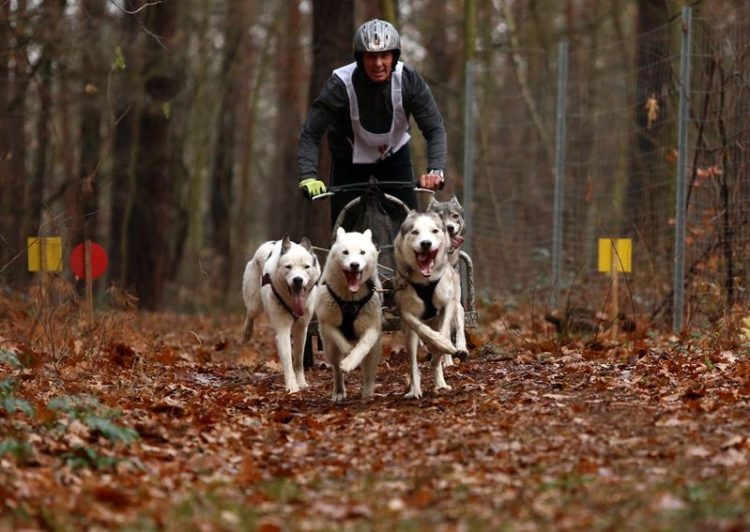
column 349, row 310
column 426, row 287
column 281, row 280
column 452, row 214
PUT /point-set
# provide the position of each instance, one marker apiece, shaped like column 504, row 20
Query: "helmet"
column 377, row 36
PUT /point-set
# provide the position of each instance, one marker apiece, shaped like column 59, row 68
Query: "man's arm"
column 323, row 111
column 419, row 102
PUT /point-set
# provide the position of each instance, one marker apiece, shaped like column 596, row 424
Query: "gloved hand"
column 432, row 180
column 311, row 187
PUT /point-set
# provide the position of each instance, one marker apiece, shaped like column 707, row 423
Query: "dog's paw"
column 348, row 364
column 442, row 386
column 292, row 389
column 448, row 361
column 462, row 355
column 414, row 394
column 338, row 397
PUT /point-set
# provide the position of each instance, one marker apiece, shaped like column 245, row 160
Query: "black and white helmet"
column 377, row 36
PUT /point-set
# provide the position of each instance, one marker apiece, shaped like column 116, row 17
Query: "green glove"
column 312, row 187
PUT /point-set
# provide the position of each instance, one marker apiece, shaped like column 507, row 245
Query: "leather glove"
column 311, row 187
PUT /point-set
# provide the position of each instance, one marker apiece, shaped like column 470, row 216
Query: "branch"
column 136, row 11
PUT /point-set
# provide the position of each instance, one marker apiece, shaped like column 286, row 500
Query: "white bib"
column 368, row 147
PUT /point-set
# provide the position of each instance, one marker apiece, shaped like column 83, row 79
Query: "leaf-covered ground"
column 164, row 421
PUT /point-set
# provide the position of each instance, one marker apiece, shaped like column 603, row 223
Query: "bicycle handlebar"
column 376, row 185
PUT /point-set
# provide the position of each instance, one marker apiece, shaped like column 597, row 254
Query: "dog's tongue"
column 299, row 297
column 457, row 240
column 426, row 261
column 353, row 279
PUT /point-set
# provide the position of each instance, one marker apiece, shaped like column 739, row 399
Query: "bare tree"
column 644, row 203
column 222, row 176
column 122, row 121
column 86, row 188
column 150, row 222
column 13, row 176
column 333, row 27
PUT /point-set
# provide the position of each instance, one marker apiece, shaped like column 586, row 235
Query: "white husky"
column 281, row 280
column 349, row 310
column 425, row 292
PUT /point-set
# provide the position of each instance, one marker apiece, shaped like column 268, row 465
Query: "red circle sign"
column 98, row 260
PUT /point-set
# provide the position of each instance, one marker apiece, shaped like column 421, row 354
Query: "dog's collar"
column 266, row 279
column 350, row 309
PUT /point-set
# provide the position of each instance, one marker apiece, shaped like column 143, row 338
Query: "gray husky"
column 452, row 214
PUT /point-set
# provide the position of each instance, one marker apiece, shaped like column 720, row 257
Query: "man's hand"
column 312, row 187
column 432, row 180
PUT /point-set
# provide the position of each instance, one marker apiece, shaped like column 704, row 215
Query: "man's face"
column 378, row 65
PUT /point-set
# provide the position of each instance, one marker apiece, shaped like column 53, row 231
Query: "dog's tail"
column 435, row 342
column 251, row 280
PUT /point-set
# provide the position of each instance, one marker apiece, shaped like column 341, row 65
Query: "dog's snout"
column 425, row 244
column 354, row 266
column 298, row 281
column 451, row 229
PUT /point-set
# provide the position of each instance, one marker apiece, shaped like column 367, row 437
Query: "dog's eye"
column 435, row 231
column 455, row 216
column 415, row 232
column 307, row 266
column 346, row 252
column 362, row 252
column 288, row 266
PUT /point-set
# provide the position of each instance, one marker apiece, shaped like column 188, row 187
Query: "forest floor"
column 164, row 421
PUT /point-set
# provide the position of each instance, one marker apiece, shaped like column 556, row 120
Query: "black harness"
column 267, row 280
column 350, row 310
column 425, row 293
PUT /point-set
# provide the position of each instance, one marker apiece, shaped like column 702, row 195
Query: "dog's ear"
column 368, row 234
column 408, row 222
column 340, row 232
column 454, row 200
column 432, row 203
column 305, row 243
column 286, row 243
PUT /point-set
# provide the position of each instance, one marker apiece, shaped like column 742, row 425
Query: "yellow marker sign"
column 619, row 250
column 49, row 260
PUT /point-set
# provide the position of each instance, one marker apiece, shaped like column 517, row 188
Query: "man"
column 365, row 106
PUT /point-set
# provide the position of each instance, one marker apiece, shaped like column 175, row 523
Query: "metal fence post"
column 680, row 207
column 560, row 139
column 468, row 166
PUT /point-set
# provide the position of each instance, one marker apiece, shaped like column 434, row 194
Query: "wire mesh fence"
column 621, row 154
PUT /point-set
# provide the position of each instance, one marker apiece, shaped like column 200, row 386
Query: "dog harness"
column 368, row 147
column 266, row 279
column 350, row 310
column 425, row 293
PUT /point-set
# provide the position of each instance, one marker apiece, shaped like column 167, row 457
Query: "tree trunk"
column 222, row 176
column 13, row 172
column 652, row 50
column 285, row 196
column 333, row 29
column 6, row 43
column 123, row 123
column 150, row 222
column 86, row 188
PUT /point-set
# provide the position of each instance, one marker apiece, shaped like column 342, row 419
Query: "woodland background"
column 166, row 131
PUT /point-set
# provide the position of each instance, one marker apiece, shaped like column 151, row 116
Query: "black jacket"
column 331, row 111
